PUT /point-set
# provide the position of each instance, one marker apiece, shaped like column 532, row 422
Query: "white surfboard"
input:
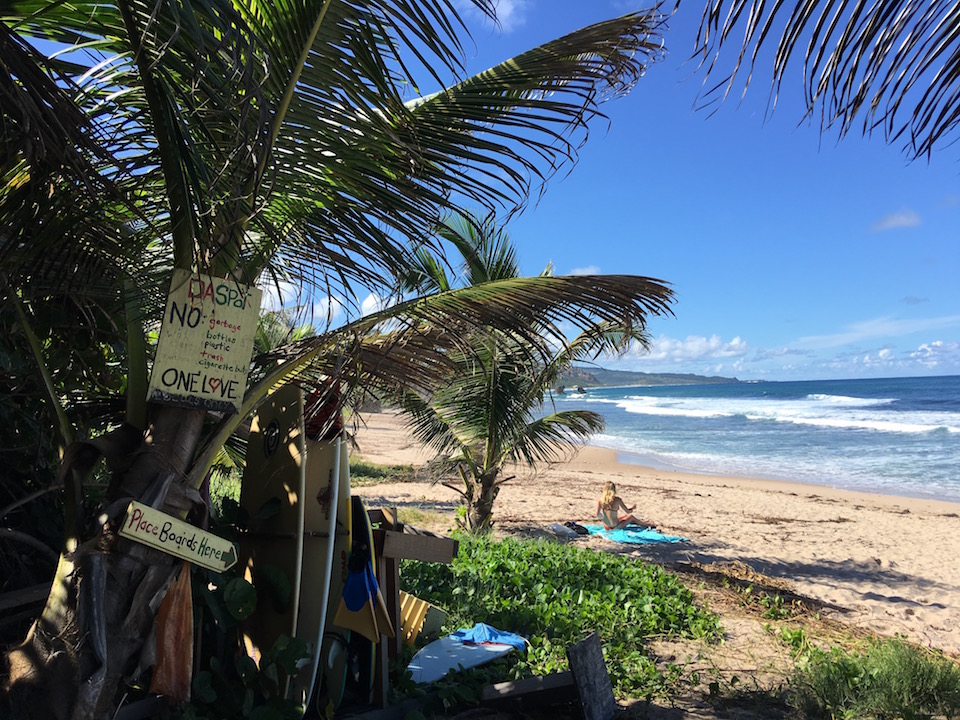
column 322, row 490
column 435, row 660
column 334, row 655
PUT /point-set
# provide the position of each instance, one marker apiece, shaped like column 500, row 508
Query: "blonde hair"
column 608, row 494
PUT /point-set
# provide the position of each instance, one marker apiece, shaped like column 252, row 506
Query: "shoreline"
column 880, row 562
column 616, row 459
column 648, row 464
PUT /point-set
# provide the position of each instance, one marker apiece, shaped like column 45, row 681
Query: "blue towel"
column 481, row 634
column 634, row 535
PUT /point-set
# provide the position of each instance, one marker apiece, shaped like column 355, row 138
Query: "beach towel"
column 634, row 535
column 483, row 634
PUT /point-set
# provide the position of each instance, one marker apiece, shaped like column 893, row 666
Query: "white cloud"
column 327, row 310
column 511, row 14
column 903, row 219
column 938, row 354
column 692, row 349
column 587, row 270
column 881, row 358
column 884, row 327
column 771, row 353
column 277, row 296
column 372, row 303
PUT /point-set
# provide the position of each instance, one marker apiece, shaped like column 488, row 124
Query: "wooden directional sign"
column 206, row 340
column 170, row 535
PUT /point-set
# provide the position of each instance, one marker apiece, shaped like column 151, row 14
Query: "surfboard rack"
column 393, row 542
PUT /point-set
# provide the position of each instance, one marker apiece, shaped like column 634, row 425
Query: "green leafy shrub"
column 554, row 594
column 891, row 679
column 230, row 685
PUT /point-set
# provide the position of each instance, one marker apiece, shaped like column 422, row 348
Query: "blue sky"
column 794, row 255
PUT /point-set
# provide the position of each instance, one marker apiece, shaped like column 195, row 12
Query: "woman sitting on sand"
column 608, row 507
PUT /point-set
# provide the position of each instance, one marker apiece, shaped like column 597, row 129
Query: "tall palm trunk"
column 102, row 604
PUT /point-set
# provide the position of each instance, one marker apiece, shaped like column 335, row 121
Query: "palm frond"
column 892, row 64
column 428, row 425
column 533, row 307
column 483, row 246
column 495, row 134
column 552, row 437
column 259, row 136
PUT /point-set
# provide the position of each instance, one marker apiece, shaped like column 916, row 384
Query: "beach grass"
column 366, row 473
column 889, row 679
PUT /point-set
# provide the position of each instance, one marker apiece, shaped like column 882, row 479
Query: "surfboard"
column 362, row 651
column 271, row 492
column 434, row 660
column 334, row 652
column 321, row 494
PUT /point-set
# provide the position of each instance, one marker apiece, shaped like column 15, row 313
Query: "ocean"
column 899, row 436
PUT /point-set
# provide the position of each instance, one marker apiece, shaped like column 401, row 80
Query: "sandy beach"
column 887, row 564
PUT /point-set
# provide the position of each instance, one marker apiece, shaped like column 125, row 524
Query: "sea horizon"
column 896, row 436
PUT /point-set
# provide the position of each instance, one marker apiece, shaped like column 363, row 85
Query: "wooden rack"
column 392, row 543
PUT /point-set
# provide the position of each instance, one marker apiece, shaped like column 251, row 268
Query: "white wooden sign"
column 206, row 340
column 175, row 537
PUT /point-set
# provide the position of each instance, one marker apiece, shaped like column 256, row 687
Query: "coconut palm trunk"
column 104, row 596
column 480, row 505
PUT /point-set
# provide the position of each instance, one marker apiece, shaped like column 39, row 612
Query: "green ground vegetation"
column 364, row 473
column 890, row 678
column 838, row 671
column 554, row 594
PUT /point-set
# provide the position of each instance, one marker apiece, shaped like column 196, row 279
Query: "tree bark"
column 104, row 598
column 480, row 506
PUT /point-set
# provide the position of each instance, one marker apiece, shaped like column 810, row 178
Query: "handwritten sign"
column 175, row 537
column 205, row 343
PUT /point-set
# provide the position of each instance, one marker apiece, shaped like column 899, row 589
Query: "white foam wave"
column 852, row 473
column 825, row 411
column 847, row 400
column 864, row 423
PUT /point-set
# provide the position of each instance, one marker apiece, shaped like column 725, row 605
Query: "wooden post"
column 591, row 678
column 390, row 546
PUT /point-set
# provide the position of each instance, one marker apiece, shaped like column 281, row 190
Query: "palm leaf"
column 892, row 64
column 549, row 438
column 274, row 137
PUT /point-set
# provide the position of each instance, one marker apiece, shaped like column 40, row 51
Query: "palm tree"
column 491, row 410
column 261, row 142
column 891, row 66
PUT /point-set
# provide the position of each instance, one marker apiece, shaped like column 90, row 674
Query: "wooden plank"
column 404, row 546
column 591, row 679
column 536, row 691
column 381, row 675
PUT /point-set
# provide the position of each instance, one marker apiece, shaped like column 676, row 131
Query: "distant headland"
column 582, row 376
